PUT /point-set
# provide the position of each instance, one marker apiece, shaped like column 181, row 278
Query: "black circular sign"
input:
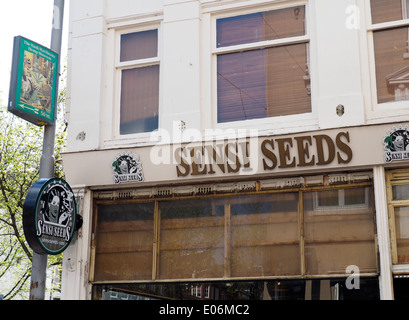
column 49, row 216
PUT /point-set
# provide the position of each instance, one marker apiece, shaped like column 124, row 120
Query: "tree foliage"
column 20, row 154
column 20, row 145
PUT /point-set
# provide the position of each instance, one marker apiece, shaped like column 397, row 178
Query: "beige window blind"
column 265, row 75
column 139, row 97
column 391, row 49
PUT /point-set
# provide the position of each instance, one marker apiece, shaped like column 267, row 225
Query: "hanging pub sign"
column 33, row 84
column 50, row 216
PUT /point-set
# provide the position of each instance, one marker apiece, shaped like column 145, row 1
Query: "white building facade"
column 250, row 144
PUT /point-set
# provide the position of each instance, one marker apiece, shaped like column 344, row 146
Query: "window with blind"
column 390, row 35
column 262, row 65
column 139, row 68
column 398, row 200
column 282, row 234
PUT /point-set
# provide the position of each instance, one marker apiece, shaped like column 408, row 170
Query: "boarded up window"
column 315, row 233
column 124, row 242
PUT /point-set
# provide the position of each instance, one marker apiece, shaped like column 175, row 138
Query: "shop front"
column 309, row 216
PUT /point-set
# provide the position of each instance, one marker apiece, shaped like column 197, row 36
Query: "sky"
column 31, row 19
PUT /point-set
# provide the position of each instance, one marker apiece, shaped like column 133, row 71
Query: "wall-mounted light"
column 340, row 110
column 182, row 125
column 81, row 136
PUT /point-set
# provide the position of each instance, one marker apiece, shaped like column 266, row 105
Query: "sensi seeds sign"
column 49, row 216
column 33, row 84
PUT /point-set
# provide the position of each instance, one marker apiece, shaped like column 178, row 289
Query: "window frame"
column 132, row 64
column 396, row 177
column 393, row 108
column 328, row 210
column 286, row 121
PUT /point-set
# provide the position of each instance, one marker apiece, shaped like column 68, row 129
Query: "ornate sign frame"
column 50, row 216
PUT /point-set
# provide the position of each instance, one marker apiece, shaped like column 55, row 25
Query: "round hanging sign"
column 49, row 216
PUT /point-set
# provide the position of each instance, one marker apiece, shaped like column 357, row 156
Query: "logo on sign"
column 396, row 144
column 127, row 168
column 49, row 216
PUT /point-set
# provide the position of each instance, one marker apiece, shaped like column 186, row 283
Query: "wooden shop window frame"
column 396, row 178
column 227, row 223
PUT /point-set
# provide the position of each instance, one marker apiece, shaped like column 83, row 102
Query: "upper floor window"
column 391, row 34
column 262, row 65
column 139, row 96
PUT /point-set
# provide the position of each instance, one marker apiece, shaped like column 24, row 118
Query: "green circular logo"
column 49, row 216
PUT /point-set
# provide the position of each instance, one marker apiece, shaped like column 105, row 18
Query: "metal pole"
column 39, row 263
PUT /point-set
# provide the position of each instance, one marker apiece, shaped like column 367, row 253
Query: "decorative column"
column 382, row 222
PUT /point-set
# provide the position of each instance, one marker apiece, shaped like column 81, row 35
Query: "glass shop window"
column 341, row 236
column 230, row 237
column 400, row 287
column 298, row 289
column 124, row 241
column 262, row 65
column 192, row 243
column 284, row 234
column 139, row 68
column 265, row 236
column 345, row 198
column 398, row 199
column 390, row 35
